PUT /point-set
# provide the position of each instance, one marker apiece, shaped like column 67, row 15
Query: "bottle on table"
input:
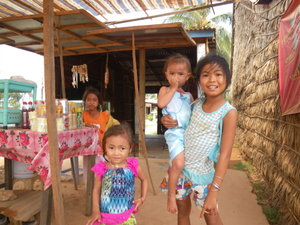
column 30, row 107
column 25, row 117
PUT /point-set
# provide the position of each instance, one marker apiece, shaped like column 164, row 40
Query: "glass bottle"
column 25, row 118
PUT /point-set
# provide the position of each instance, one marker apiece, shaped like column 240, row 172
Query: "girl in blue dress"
column 114, row 188
column 177, row 103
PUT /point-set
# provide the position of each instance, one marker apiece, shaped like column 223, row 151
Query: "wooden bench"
column 23, row 208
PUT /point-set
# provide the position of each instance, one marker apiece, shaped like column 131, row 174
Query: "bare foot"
column 172, row 206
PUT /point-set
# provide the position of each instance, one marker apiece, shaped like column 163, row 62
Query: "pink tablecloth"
column 31, row 148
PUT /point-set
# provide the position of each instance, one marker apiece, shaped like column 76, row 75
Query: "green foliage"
column 259, row 190
column 150, row 116
column 191, row 20
column 199, row 20
column 151, row 96
column 13, row 100
column 272, row 214
column 262, row 195
column 246, row 166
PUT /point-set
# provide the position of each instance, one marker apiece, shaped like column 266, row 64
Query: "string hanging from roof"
column 106, row 75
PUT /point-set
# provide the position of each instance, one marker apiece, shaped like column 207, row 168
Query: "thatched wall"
column 271, row 142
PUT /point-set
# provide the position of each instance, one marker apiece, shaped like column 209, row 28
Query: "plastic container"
column 13, row 116
column 20, row 170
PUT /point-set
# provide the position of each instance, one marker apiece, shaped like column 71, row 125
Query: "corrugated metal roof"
column 104, row 8
column 80, row 32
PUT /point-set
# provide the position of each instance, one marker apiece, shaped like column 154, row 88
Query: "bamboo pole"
column 142, row 79
column 48, row 16
column 61, row 59
column 140, row 116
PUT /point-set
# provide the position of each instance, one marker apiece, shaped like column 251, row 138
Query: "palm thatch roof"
column 270, row 141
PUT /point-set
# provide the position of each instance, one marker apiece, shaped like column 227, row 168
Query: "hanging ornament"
column 74, row 76
column 82, row 71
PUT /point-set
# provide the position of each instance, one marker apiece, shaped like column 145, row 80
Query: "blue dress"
column 117, row 191
column 180, row 109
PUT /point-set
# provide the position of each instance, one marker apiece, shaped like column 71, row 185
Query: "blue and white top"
column 202, row 142
column 117, row 191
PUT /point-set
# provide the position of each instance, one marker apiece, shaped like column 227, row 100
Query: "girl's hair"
column 212, row 58
column 177, row 58
column 123, row 130
column 92, row 90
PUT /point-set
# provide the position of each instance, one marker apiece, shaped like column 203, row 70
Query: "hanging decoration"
column 82, row 71
column 106, row 75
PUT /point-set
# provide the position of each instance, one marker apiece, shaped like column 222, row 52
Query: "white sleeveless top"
column 202, row 142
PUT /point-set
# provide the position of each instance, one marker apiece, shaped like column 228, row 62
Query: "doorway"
column 151, row 114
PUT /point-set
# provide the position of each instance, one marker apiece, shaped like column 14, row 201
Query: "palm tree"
column 199, row 19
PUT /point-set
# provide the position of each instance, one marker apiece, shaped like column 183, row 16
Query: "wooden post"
column 63, row 90
column 8, row 174
column 61, row 59
column 46, row 207
column 142, row 58
column 89, row 185
column 48, row 16
column 140, row 118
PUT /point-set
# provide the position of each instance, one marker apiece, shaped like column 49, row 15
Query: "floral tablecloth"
column 31, row 147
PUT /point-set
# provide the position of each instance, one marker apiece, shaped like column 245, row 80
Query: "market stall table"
column 31, row 147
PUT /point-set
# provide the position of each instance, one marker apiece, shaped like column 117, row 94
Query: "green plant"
column 13, row 100
column 150, row 117
column 260, row 190
column 272, row 214
column 200, row 19
column 246, row 166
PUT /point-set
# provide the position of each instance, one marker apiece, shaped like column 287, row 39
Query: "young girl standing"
column 114, row 189
column 208, row 140
column 176, row 103
column 93, row 117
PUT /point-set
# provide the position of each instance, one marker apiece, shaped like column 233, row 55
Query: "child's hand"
column 210, row 205
column 173, row 81
column 96, row 217
column 168, row 122
column 137, row 203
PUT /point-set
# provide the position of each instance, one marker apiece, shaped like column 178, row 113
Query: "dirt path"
column 237, row 204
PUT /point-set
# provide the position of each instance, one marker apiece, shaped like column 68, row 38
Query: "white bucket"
column 20, row 170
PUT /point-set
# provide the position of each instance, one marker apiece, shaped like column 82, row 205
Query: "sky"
column 17, row 62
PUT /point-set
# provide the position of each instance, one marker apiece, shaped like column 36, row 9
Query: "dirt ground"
column 237, row 204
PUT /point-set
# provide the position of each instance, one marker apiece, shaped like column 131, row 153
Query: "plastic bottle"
column 59, row 109
column 42, row 109
column 25, row 118
column 30, row 107
column 35, row 106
